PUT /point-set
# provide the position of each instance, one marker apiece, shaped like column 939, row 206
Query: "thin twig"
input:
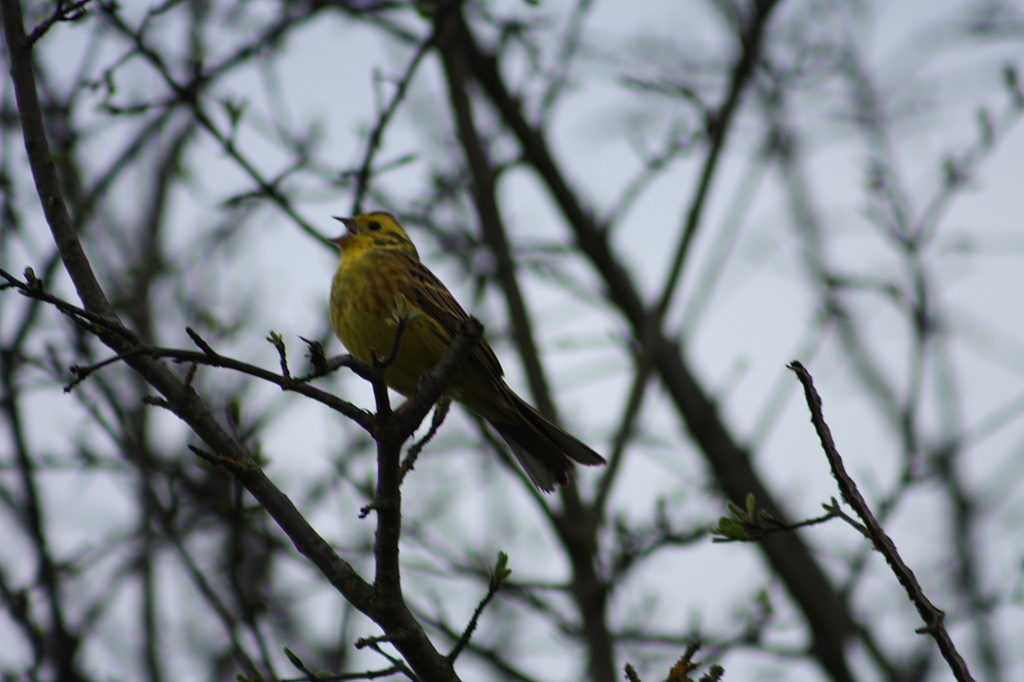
column 385, row 361
column 359, row 415
column 474, row 620
column 931, row 615
column 373, row 643
column 373, row 142
column 84, row 372
column 89, row 320
column 440, row 411
column 61, row 12
column 756, row 528
column 275, row 339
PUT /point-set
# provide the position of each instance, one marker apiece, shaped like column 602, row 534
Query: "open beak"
column 350, row 229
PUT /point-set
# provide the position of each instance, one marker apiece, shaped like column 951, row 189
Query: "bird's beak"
column 350, row 229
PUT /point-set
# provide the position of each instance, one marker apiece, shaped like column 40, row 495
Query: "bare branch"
column 931, row 615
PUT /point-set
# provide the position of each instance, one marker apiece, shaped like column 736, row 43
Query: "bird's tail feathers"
column 544, row 450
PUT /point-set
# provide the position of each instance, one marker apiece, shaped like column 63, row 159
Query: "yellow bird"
column 379, row 262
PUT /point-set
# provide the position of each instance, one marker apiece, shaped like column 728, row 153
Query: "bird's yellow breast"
column 363, row 315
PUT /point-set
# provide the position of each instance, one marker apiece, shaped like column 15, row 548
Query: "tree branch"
column 931, row 615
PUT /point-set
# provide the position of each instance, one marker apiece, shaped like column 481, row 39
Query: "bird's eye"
column 373, row 225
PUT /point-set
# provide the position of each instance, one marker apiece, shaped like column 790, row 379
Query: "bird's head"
column 371, row 231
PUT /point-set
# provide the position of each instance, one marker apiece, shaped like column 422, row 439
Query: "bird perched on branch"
column 379, row 267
